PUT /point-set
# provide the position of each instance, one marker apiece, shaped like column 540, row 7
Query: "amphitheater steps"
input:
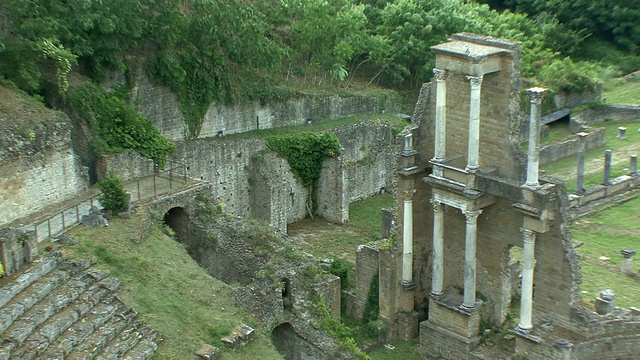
column 65, row 310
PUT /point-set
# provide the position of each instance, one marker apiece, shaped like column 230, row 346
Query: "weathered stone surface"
column 64, row 239
column 95, row 218
column 239, row 336
column 208, row 352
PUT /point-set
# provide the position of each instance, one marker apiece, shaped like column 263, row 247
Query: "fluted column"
column 407, row 239
column 441, row 114
column 437, row 274
column 526, row 291
column 470, row 258
column 474, row 124
column 533, row 163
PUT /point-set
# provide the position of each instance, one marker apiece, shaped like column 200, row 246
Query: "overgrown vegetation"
column 117, row 126
column 113, row 197
column 234, row 51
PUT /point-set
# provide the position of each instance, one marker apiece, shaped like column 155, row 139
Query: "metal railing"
column 160, row 182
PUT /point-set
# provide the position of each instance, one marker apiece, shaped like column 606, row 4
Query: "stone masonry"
column 474, row 194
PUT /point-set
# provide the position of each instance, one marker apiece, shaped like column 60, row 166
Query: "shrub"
column 114, row 197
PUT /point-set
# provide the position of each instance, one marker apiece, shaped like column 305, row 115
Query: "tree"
column 114, row 197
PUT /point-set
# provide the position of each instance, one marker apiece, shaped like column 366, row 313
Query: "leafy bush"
column 566, row 75
column 117, row 126
column 372, row 306
column 340, row 268
column 305, row 152
column 114, row 197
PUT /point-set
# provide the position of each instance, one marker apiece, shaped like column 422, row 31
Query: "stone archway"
column 178, row 220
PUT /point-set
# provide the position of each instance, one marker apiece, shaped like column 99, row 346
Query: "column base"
column 408, row 285
column 408, row 325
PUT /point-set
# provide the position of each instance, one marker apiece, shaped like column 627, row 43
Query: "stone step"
column 54, row 302
column 99, row 339
column 81, row 330
column 28, row 277
column 49, row 332
column 145, row 348
column 125, row 341
column 22, row 302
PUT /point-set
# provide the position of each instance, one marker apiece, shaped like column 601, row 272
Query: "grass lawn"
column 322, row 124
column 169, row 290
column 325, row 240
column 602, row 236
column 594, row 159
column 621, row 91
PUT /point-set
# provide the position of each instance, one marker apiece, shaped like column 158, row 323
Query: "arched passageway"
column 178, row 220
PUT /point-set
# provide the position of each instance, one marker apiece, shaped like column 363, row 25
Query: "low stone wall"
column 580, row 204
column 609, row 113
column 566, row 148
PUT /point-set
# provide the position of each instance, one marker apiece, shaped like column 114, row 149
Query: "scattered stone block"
column 95, row 218
column 208, row 352
column 240, row 336
column 64, row 239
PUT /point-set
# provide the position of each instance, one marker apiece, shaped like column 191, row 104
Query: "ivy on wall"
column 305, row 152
column 117, row 126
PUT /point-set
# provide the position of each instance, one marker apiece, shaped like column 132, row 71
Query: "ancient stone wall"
column 609, row 113
column 253, row 182
column 38, row 166
column 570, row 100
column 162, row 106
column 563, row 149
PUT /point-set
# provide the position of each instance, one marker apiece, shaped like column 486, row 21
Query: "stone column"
column 536, row 94
column 621, row 133
column 580, row 167
column 437, row 274
column 633, row 165
column 474, row 124
column 606, row 180
column 469, row 300
column 407, row 240
column 627, row 262
column 441, row 114
column 526, row 291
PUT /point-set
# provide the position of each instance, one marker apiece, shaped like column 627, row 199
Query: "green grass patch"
column 406, row 350
column 566, row 169
column 323, row 124
column 169, row 290
column 622, row 91
column 600, row 238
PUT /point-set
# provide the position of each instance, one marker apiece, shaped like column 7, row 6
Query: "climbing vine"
column 117, row 126
column 305, row 152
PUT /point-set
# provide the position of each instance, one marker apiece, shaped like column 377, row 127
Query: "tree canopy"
column 233, row 50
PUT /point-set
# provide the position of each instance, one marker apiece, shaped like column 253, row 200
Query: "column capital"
column 407, row 195
column 475, row 81
column 472, row 215
column 437, row 206
column 536, row 94
column 440, row 74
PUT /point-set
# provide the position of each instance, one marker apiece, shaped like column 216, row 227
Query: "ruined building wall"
column 162, row 106
column 38, row 167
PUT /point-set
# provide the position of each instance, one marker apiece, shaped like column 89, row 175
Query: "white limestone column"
column 407, row 238
column 536, row 94
column 469, row 300
column 526, row 291
column 474, row 124
column 437, row 273
column 441, row 114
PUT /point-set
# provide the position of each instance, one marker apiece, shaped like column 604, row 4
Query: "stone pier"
column 627, row 261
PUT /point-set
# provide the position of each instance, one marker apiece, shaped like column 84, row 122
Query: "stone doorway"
column 178, row 220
